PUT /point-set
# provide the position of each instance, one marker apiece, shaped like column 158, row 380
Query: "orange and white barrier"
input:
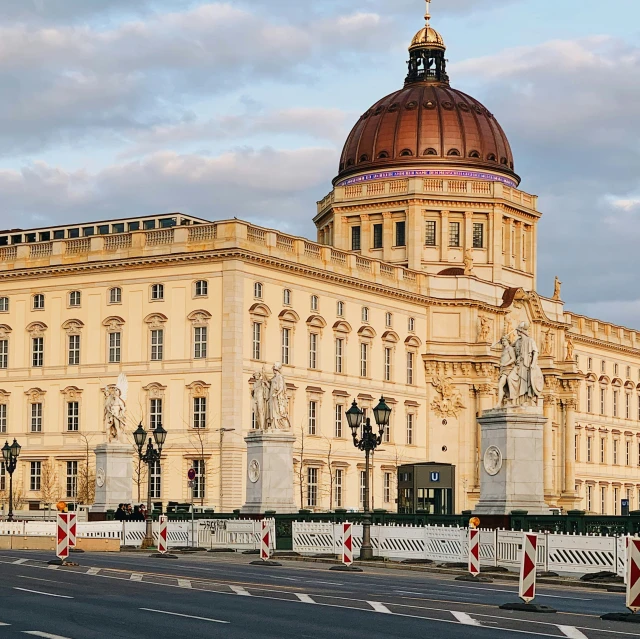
column 528, row 567
column 633, row 574
column 162, row 535
column 73, row 529
column 347, row 544
column 474, row 552
column 265, row 544
column 62, row 536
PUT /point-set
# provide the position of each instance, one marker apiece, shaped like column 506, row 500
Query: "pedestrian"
column 120, row 514
column 143, row 512
column 137, row 515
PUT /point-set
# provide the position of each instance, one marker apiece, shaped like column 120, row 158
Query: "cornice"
column 592, row 341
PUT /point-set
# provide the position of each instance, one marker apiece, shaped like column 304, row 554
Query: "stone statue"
column 260, row 396
column 468, row 262
column 526, row 375
column 570, row 349
column 557, row 288
column 547, row 345
column 507, row 389
column 485, row 329
column 278, row 401
column 115, row 410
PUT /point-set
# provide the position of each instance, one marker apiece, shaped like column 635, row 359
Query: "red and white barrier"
column 474, row 552
column 62, row 536
column 162, row 535
column 528, row 567
column 73, row 529
column 265, row 545
column 633, row 574
column 347, row 544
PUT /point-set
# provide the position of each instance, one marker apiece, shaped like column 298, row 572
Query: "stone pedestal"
column 270, row 472
column 114, row 471
column 512, row 461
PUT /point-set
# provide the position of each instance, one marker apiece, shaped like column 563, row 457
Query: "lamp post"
column 10, row 456
column 150, row 457
column 222, row 431
column 367, row 441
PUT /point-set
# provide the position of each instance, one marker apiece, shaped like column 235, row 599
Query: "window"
column 339, row 355
column 616, row 444
column 115, row 341
column 603, row 396
column 478, row 235
column 157, row 345
column 72, row 479
column 157, row 292
column 315, row 305
column 286, row 346
column 401, row 234
column 200, row 342
column 338, row 484
column 386, row 488
column 115, row 296
column 627, row 408
column 410, row 362
column 386, row 437
column 4, row 304
column 615, row 370
column 35, row 476
column 603, row 500
column 454, row 234
column 365, row 314
column 589, row 498
column 409, row 429
column 412, row 325
column 388, row 361
column 628, row 453
column 339, row 420
column 3, row 477
column 38, row 302
column 589, row 363
column 589, row 399
column 257, row 290
column 37, row 352
column 312, row 487
column 73, row 417
column 603, row 366
column 155, row 413
column 603, row 449
column 430, row 233
column 377, row 236
column 74, row 350
column 363, row 488
column 286, row 297
column 313, row 418
column 589, row 448
column 340, row 309
column 4, row 353
column 628, row 372
column 616, row 394
column 355, row 238
column 155, row 479
column 74, row 298
column 616, row 500
column 201, row 288
column 313, row 350
column 3, row 418
column 199, row 412
column 257, row 341
column 199, row 483
column 364, row 359
column 388, row 320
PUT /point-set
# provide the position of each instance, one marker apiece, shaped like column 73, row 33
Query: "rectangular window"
column 115, row 342
column 628, row 453
column 4, row 353
column 388, row 360
column 409, row 429
column 603, row 397
column 454, row 233
column 410, row 364
column 199, row 483
column 478, row 235
column 200, row 342
column 36, row 417
column 199, row 412
column 377, row 236
column 386, row 437
column 589, row 498
column 363, row 488
column 313, row 418
column 156, row 480
column 74, row 350
column 338, row 484
column 576, row 447
column 3, row 418
column 616, row 444
column 589, row 399
column 286, row 345
column 312, row 487
column 72, row 479
column 35, row 476
column 589, row 449
column 616, row 500
column 401, row 239
column 3, row 477
column 430, row 233
column 616, row 395
column 257, row 341
column 37, row 351
column 157, row 292
column 73, row 416
column 339, row 355
column 155, row 413
column 589, row 363
column 313, row 350
column 386, row 488
column 627, row 409
column 364, row 359
column 603, row 449
column 355, row 238
column 157, row 345
column 339, row 420
column 603, row 500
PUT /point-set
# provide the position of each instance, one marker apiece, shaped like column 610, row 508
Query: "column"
column 547, row 443
column 507, row 242
column 444, row 236
column 486, row 399
column 388, row 239
column 468, row 230
column 517, row 231
column 366, row 241
column 569, row 446
column 495, row 243
column 414, row 236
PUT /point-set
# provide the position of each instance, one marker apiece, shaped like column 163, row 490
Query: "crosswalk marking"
column 571, row 632
column 304, row 598
column 184, row 583
column 136, row 576
column 379, row 607
column 465, row 619
column 93, row 571
column 239, row 590
column 19, row 562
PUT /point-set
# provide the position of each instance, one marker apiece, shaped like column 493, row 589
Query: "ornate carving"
column 557, row 288
column 155, row 321
column 113, row 324
column 36, row 329
column 72, row 393
column 547, row 343
column 35, row 395
column 449, row 404
column 73, row 327
column 5, row 331
column 199, row 389
column 570, row 349
column 468, row 262
column 155, row 390
column 571, row 403
column 484, row 330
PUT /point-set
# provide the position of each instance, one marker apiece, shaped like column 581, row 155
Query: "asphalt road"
column 209, row 595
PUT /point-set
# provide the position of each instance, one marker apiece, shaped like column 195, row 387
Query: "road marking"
column 379, row 607
column 19, row 562
column 51, row 581
column 46, row 635
column 239, row 590
column 184, row 583
column 93, row 571
column 304, row 598
column 53, row 567
column 2, row 625
column 48, row 594
column 515, row 592
column 177, row 614
column 465, row 619
column 326, row 583
column 136, row 576
column 571, row 632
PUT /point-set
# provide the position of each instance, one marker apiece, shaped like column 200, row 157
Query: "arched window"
column 383, row 155
column 474, row 154
column 412, row 324
column 431, row 151
column 115, row 295
column 201, row 288
column 74, row 298
column 38, row 302
column 406, row 153
column 364, row 158
column 454, row 152
column 286, row 297
column 157, row 292
column 491, row 157
column 257, row 290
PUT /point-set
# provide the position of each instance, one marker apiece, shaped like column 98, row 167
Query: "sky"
column 240, row 108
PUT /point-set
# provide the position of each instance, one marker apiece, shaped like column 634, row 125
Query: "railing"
column 42, row 249
column 311, row 250
column 257, row 236
column 8, row 254
column 117, row 242
column 284, row 243
column 481, row 188
column 377, row 188
column 410, row 276
column 159, row 238
column 399, row 186
column 338, row 257
column 387, row 271
column 457, row 186
column 203, row 232
column 78, row 247
column 236, row 534
column 363, row 264
column 353, row 191
column 433, row 185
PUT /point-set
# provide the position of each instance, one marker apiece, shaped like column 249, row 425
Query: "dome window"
column 511, row 165
column 364, row 158
column 383, row 155
column 430, row 151
column 454, row 152
column 504, row 161
column 478, row 109
column 379, row 110
column 447, row 105
column 411, row 105
column 350, row 162
column 406, row 153
column 491, row 157
column 393, row 107
column 463, row 106
column 474, row 154
column 429, row 105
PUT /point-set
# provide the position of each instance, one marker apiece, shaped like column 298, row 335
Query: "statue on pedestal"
column 115, row 410
column 260, row 396
column 270, row 401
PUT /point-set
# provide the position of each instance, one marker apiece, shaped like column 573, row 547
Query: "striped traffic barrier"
column 162, row 535
column 265, row 545
column 633, row 575
column 62, row 536
column 73, row 529
column 527, row 591
column 474, row 552
column 347, row 544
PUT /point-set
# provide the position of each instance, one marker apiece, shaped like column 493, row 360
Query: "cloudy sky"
column 240, row 108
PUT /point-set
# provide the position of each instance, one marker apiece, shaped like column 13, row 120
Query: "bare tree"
column 199, row 438
column 300, row 472
column 86, row 475
column 49, row 486
column 140, row 473
column 329, row 457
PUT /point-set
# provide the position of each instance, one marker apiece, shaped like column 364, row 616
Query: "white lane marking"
column 184, row 583
column 93, row 571
column 48, row 594
column 51, row 581
column 327, row 583
column 46, row 635
column 177, row 614
column 379, row 607
column 53, row 567
column 2, row 625
column 465, row 619
column 239, row 590
column 19, row 562
column 571, row 632
column 515, row 592
column 136, row 576
column 304, row 598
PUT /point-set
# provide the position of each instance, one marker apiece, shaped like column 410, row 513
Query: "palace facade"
column 425, row 257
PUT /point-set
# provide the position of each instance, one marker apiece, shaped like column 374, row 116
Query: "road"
column 132, row 595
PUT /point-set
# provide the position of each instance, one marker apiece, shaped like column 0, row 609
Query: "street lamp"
column 149, row 457
column 368, row 442
column 10, row 456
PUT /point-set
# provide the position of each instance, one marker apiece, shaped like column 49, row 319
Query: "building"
column 426, row 257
